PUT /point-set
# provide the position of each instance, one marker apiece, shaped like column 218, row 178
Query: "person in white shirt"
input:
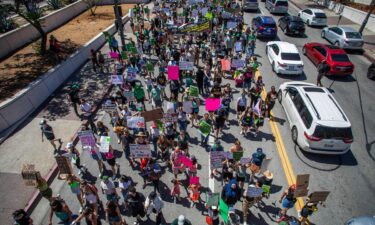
column 154, row 204
column 241, row 104
column 109, row 189
column 86, row 109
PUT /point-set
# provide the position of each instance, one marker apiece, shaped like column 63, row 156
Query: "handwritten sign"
column 193, row 91
column 187, row 106
column 254, row 192
column 29, row 175
column 169, row 117
column 212, row 104
column 173, row 73
column 135, row 122
column 129, row 95
column 215, row 159
column 117, row 79
column 139, row 151
column 186, row 65
column 231, row 25
column 153, row 115
column 237, row 155
column 238, row 63
column 238, row 46
column 104, row 143
column 225, row 65
column 64, row 165
column 204, row 128
column 109, row 107
column 87, row 138
column 303, row 181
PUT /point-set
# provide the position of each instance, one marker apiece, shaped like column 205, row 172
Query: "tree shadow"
column 279, row 120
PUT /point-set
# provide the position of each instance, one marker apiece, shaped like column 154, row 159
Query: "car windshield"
column 281, row 3
column 320, row 15
column 296, row 23
column 333, row 133
column 355, row 35
column 340, row 58
column 290, row 56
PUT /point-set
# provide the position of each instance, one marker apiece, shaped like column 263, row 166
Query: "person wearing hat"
column 181, row 220
column 287, row 200
column 154, row 204
column 47, row 132
column 256, row 162
column 323, row 70
column 266, row 182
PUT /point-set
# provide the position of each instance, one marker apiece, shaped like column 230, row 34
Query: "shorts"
column 195, row 111
column 96, row 157
column 219, row 123
column 50, row 138
column 47, row 193
column 287, row 204
column 114, row 219
column 241, row 108
column 111, row 162
column 240, row 179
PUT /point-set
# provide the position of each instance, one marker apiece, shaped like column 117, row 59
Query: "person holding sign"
column 252, row 195
column 194, row 112
column 43, row 187
column 247, row 120
column 287, row 201
column 231, row 193
column 205, row 126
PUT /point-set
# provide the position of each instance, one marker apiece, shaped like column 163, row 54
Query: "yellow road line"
column 287, row 166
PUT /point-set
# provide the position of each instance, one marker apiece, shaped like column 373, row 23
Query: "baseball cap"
column 42, row 122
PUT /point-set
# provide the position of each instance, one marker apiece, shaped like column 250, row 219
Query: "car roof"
column 285, row 47
column 348, row 29
column 314, row 10
column 331, row 48
column 267, row 19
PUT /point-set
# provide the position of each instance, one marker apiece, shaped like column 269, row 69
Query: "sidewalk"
column 368, row 36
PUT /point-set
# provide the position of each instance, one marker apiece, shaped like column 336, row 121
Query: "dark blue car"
column 265, row 26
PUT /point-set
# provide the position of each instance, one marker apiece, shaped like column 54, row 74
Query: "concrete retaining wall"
column 358, row 17
column 29, row 99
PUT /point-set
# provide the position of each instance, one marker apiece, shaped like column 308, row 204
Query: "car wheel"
column 371, row 74
column 304, row 50
column 280, row 96
column 323, row 34
column 273, row 67
column 295, row 135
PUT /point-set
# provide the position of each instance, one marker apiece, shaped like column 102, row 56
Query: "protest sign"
column 104, row 144
column 185, row 65
column 231, row 25
column 87, row 138
column 117, row 79
column 186, row 161
column 254, row 192
column 124, row 55
column 128, row 46
column 194, row 180
column 212, row 104
column 193, row 91
column 169, row 117
column 109, row 107
column 209, row 16
column 319, row 196
column 226, row 15
column 133, row 50
column 244, row 160
column 187, row 106
column 64, row 165
column 238, row 63
column 225, row 64
column 228, row 155
column 194, row 13
column 152, row 115
column 300, row 192
column 129, row 95
column 29, row 175
column 302, row 181
column 216, row 158
column 213, row 199
column 171, row 107
column 224, row 210
column 204, row 11
column 135, row 122
column 173, row 73
column 204, row 128
column 265, row 164
column 238, row 46
column 139, row 151
column 113, row 55
column 196, row 28
column 150, row 67
column 237, row 155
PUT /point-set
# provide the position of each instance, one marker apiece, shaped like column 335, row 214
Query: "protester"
column 181, row 220
column 61, row 210
column 47, row 132
column 154, row 204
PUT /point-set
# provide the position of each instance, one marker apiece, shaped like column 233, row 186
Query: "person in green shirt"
column 139, row 95
column 156, row 96
column 147, row 12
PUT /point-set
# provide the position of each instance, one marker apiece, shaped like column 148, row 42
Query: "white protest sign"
column 129, row 95
column 109, row 107
column 135, row 121
column 238, row 63
column 117, row 79
column 204, row 11
column 169, row 117
column 194, row 13
column 216, row 158
column 139, row 151
column 231, row 24
column 226, row 15
column 187, row 107
column 170, row 107
column 238, row 46
column 185, row 65
column 254, row 192
column 265, row 165
column 104, row 143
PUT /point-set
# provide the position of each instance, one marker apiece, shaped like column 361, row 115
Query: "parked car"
column 318, row 124
column 284, row 58
column 277, row 6
column 250, row 5
column 313, row 17
column 265, row 26
column 343, row 37
column 371, row 72
column 292, row 25
column 336, row 58
column 361, row 220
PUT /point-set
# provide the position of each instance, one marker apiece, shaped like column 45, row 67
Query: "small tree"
column 6, row 23
column 32, row 14
column 54, row 4
column 92, row 5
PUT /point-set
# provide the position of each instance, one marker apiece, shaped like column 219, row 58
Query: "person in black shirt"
column 74, row 98
column 199, row 79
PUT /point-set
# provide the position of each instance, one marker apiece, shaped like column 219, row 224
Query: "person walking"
column 199, row 79
column 181, row 220
column 231, row 193
column 323, row 69
column 87, row 114
column 20, row 217
column 43, row 187
column 74, row 98
column 270, row 100
column 135, row 202
column 154, row 204
column 61, row 210
column 287, row 200
column 74, row 184
column 94, row 59
column 109, row 189
column 47, row 132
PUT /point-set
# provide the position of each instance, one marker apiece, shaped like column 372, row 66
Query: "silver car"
column 343, row 37
column 250, row 5
column 361, row 220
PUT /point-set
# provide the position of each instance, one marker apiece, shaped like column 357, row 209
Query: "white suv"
column 318, row 123
column 313, row 17
column 284, row 58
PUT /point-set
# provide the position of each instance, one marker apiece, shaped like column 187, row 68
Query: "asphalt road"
column 348, row 177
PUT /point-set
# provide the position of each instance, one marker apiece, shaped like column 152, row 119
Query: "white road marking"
column 211, row 181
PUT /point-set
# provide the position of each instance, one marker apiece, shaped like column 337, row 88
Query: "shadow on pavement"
column 293, row 77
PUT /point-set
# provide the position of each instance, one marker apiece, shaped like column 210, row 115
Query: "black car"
column 371, row 72
column 292, row 25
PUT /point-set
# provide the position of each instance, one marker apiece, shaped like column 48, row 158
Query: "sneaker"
column 241, row 132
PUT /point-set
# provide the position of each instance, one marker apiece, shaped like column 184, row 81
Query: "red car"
column 336, row 58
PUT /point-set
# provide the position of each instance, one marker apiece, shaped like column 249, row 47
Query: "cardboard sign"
column 225, row 64
column 185, row 65
column 104, row 143
column 187, row 106
column 129, row 95
column 135, row 122
column 193, row 91
column 173, row 73
column 139, row 151
column 212, row 104
column 169, row 117
column 215, row 159
column 254, row 192
column 153, row 115
column 319, row 196
column 265, row 165
column 205, row 128
column 300, row 192
column 302, row 181
column 117, row 79
column 109, row 107
column 237, row 155
column 113, row 55
column 29, row 174
column 213, row 199
column 194, row 180
column 87, row 138
column 231, row 25
column 238, row 63
column 64, row 165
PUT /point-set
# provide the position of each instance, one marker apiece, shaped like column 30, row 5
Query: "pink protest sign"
column 186, row 161
column 194, row 180
column 212, row 104
column 225, row 64
column 113, row 55
column 173, row 73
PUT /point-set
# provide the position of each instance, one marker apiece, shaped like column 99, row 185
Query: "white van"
column 277, row 6
column 250, row 5
column 318, row 123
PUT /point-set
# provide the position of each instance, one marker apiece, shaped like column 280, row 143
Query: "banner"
column 117, row 79
column 135, row 122
column 253, row 191
column 216, row 158
column 139, row 151
column 173, row 73
column 187, row 106
column 238, row 63
column 109, row 107
column 231, row 25
column 196, row 28
column 204, row 128
column 225, row 64
column 185, row 65
column 104, row 143
column 29, row 174
column 152, row 115
column 87, row 138
column 193, row 91
column 237, row 155
column 212, row 104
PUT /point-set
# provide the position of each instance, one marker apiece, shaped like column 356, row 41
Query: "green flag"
column 150, row 67
column 159, row 124
column 128, row 46
column 209, row 16
column 204, row 128
column 224, row 209
column 193, row 91
column 134, row 50
column 237, row 155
